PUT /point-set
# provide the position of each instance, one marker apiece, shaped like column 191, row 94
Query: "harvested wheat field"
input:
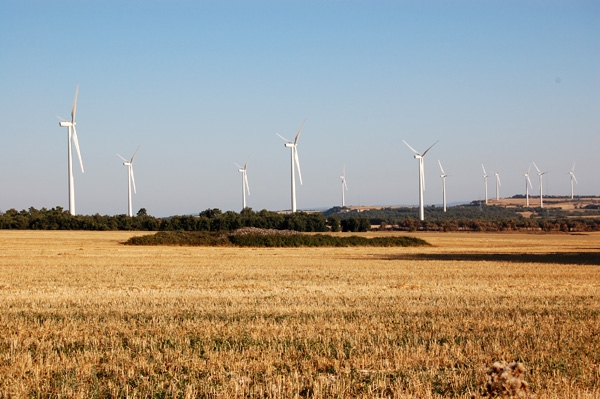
column 85, row 316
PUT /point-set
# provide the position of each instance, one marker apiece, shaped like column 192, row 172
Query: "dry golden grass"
column 84, row 316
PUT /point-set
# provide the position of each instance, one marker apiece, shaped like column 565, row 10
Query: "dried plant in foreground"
column 506, row 381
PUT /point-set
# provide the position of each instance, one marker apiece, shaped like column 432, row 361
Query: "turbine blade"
column 429, row 148
column 345, row 185
column 442, row 169
column 574, row 178
column 284, row 139
column 132, row 177
column 536, row 168
column 529, row 180
column 61, row 119
column 238, row 166
column 484, row 172
column 246, row 164
column 76, row 142
column 573, row 168
column 499, row 182
column 297, row 163
column 246, row 180
column 137, row 149
column 299, row 131
column 74, row 110
column 412, row 149
column 124, row 160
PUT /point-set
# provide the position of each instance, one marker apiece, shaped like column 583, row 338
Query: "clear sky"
column 201, row 85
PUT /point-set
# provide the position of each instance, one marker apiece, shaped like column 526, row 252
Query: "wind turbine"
column 573, row 178
column 421, row 177
column 131, row 180
column 527, row 181
column 485, row 176
column 498, row 184
column 245, row 186
column 443, row 176
column 540, row 174
column 344, row 186
column 295, row 163
column 72, row 138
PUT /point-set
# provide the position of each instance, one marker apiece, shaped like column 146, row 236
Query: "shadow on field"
column 565, row 258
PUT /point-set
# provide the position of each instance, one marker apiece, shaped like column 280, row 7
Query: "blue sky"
column 201, row 85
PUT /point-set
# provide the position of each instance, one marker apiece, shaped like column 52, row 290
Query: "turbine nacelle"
column 66, row 124
column 289, row 145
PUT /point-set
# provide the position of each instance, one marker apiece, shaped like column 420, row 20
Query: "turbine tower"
column 485, row 176
column 131, row 180
column 527, row 181
column 72, row 138
column 344, row 186
column 421, row 177
column 245, row 186
column 443, row 176
column 498, row 184
column 295, row 162
column 540, row 174
column 573, row 179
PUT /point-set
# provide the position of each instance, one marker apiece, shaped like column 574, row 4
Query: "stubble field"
column 84, row 316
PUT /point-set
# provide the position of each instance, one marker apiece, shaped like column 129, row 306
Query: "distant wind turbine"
column 130, row 180
column 540, row 174
column 485, row 176
column 295, row 162
column 245, row 186
column 527, row 185
column 443, row 176
column 573, row 179
column 344, row 186
column 72, row 138
column 420, row 157
column 498, row 184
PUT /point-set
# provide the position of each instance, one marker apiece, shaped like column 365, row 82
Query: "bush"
column 256, row 238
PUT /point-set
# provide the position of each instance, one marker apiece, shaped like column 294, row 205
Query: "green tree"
column 334, row 223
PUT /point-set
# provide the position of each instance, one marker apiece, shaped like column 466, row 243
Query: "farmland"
column 85, row 316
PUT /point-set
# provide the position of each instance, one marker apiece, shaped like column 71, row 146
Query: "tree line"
column 475, row 217
column 458, row 218
column 208, row 220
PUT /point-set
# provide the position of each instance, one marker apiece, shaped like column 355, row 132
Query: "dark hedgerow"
column 184, row 238
column 187, row 238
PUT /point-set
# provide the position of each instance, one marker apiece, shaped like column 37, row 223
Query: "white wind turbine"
column 573, row 179
column 295, row 163
column 527, row 185
column 443, row 176
column 498, row 184
column 245, row 186
column 421, row 177
column 485, row 176
column 131, row 180
column 72, row 138
column 344, row 186
column 540, row 174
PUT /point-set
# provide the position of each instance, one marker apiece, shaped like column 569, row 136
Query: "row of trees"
column 548, row 225
column 459, row 219
column 208, row 220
